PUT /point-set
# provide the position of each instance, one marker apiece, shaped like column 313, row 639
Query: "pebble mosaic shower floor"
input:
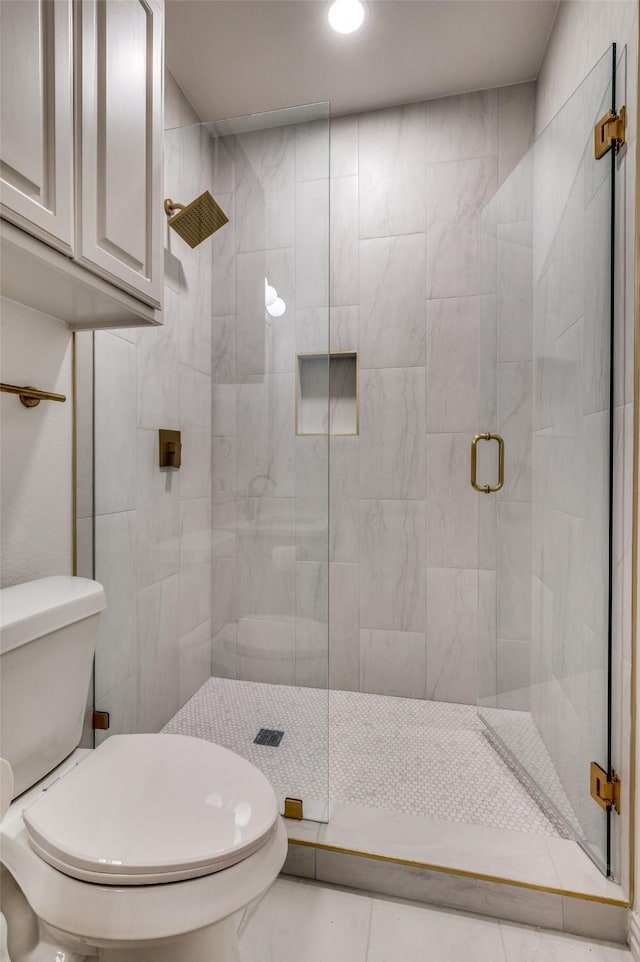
column 396, row 754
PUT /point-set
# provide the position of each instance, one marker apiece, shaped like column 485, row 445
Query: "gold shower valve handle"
column 487, row 488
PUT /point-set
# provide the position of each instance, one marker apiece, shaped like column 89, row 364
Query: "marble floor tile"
column 299, row 923
column 303, row 921
column 529, row 945
column 416, row 934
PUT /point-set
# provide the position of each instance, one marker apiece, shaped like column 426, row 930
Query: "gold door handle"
column 487, row 488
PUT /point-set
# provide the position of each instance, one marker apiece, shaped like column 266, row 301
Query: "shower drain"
column 268, row 736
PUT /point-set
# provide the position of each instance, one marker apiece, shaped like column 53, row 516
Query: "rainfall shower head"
column 198, row 220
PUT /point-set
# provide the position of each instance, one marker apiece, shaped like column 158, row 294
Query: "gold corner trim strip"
column 635, row 542
column 74, row 458
column 463, row 873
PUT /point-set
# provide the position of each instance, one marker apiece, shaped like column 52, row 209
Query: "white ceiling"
column 235, row 57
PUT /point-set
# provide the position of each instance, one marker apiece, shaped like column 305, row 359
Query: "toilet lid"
column 143, row 809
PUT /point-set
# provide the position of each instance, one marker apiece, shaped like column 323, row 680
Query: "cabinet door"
column 119, row 197
column 36, row 131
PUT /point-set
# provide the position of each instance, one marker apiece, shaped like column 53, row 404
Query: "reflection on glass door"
column 544, row 536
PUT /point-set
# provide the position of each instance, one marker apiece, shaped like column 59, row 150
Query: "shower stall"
column 387, row 569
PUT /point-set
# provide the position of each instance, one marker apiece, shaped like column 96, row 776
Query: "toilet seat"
column 149, row 809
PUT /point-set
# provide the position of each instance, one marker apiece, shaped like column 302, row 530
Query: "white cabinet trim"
column 51, row 217
column 95, row 251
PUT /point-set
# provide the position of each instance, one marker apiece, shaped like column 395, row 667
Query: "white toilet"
column 140, row 851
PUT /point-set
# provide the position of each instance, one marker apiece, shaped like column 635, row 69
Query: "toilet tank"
column 47, row 642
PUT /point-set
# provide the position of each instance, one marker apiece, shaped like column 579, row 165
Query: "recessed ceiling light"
column 345, row 16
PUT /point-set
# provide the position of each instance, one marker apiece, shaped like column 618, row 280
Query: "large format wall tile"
column 195, row 563
column 596, row 523
column 157, row 515
column 514, row 674
column 514, row 570
column 223, row 254
column 223, row 470
column 266, row 651
column 312, row 150
column 116, row 644
column 158, row 656
column 344, row 499
column 265, row 189
column 392, row 433
column 312, row 624
column 312, row 527
column 392, row 557
column 456, row 194
column 266, row 558
column 115, row 424
column 312, row 243
column 195, row 660
column 453, row 335
column 514, row 301
column 452, row 504
column 122, row 705
column 223, row 410
column 514, row 417
column 195, row 426
column 223, row 349
column 344, row 631
column 516, row 116
column 344, row 240
column 251, row 269
column 265, row 436
column 391, row 171
column 195, row 311
column 392, row 302
column 487, row 638
column 224, row 594
column 158, row 378
column 344, row 146
column 393, row 663
column 452, row 632
column 344, row 324
column 462, row 126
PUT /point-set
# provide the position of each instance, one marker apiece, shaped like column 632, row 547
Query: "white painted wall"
column 35, row 448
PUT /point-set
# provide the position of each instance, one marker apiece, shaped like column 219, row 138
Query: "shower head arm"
column 170, row 207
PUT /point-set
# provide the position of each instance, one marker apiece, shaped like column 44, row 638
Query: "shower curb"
column 572, row 912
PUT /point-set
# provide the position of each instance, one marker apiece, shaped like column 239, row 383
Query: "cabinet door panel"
column 36, row 104
column 120, row 143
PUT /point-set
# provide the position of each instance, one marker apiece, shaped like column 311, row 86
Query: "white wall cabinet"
column 88, row 185
column 119, row 143
column 36, row 103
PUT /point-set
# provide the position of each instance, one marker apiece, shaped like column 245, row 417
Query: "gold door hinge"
column 605, row 789
column 293, row 808
column 100, row 721
column 609, row 132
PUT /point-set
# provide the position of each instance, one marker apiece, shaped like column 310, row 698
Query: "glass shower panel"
column 270, row 496
column 216, row 574
column 544, row 536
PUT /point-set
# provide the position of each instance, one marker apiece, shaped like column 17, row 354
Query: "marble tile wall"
column 152, row 526
column 411, row 276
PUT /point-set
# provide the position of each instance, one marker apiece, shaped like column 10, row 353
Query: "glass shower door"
column 270, row 511
column 544, row 531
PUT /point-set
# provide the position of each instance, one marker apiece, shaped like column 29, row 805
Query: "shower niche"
column 321, row 376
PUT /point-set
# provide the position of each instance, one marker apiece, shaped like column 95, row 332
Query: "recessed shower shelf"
column 327, row 394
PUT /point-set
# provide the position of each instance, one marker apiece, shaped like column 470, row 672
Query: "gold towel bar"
column 31, row 396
